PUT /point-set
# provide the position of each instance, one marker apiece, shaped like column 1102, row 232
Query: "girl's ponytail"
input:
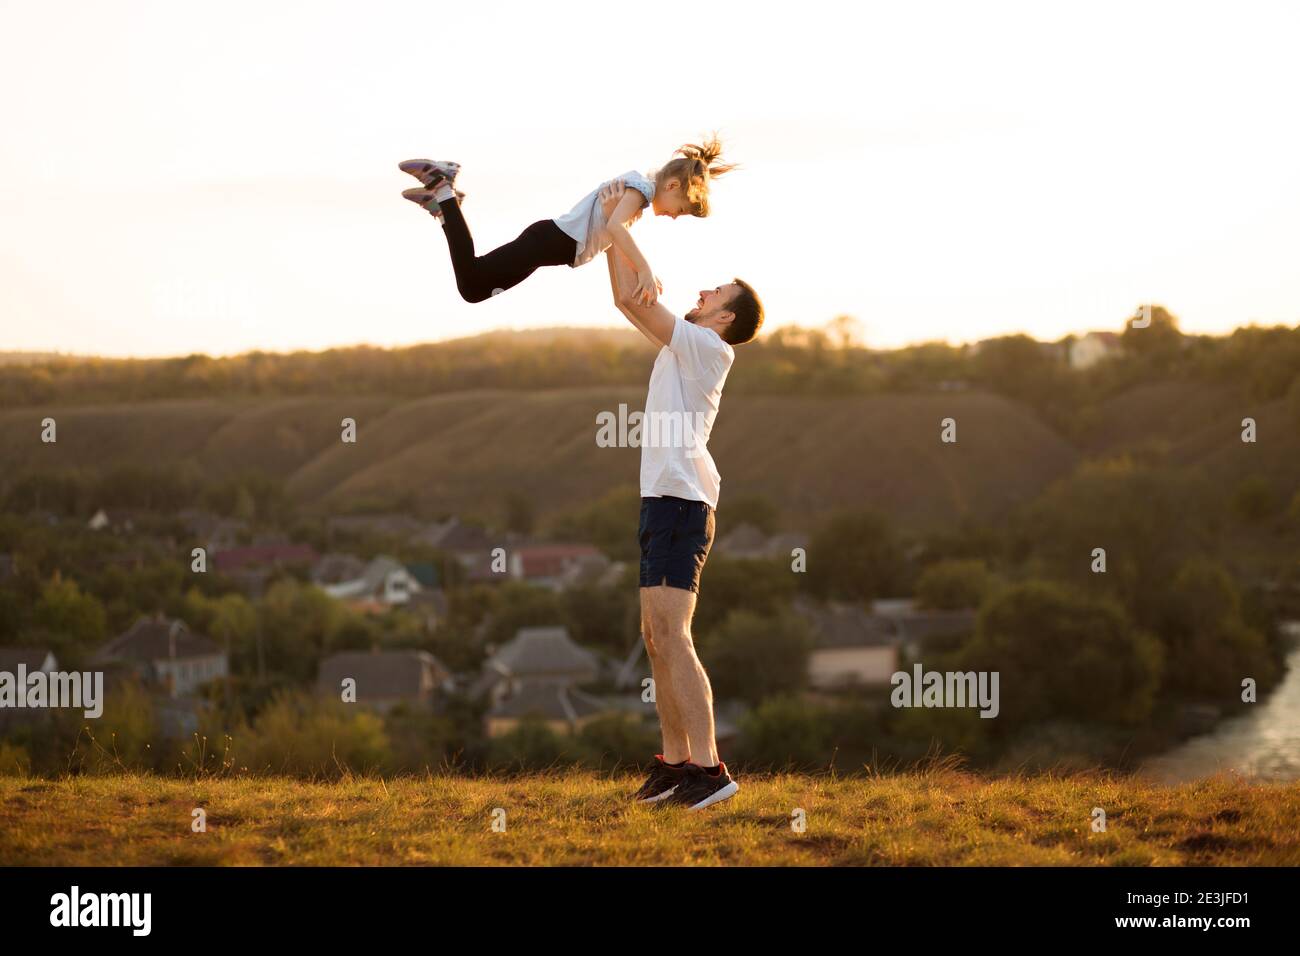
column 697, row 166
column 704, row 159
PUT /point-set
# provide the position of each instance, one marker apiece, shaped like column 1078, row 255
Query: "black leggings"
column 480, row 277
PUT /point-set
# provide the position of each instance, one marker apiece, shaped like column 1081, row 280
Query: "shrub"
column 307, row 736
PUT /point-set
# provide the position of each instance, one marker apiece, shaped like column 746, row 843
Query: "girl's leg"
column 481, row 277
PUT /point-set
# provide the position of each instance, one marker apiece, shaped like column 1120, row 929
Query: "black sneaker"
column 662, row 781
column 700, row 789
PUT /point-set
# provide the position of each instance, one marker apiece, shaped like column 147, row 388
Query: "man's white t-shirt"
column 685, row 391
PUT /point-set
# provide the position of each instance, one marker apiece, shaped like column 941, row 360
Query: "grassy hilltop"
column 938, row 818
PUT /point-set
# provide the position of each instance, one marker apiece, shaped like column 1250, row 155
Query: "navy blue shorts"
column 676, row 535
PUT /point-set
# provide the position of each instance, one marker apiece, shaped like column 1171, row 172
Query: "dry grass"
column 942, row 818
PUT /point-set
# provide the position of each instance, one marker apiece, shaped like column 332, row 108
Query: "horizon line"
column 539, row 330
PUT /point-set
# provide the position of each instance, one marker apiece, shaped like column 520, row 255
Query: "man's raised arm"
column 611, row 254
column 654, row 321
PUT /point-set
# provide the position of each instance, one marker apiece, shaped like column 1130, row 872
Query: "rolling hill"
column 465, row 452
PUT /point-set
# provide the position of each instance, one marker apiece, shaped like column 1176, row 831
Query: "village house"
column 385, row 679
column 385, row 582
column 1089, row 349
column 563, row 709
column 851, row 646
column 271, row 556
column 252, row 566
column 213, row 532
column 33, row 660
column 746, row 541
column 165, row 654
column 537, row 675
column 555, row 566
column 337, row 567
column 100, row 521
column 743, row 541
column 915, row 626
column 469, row 544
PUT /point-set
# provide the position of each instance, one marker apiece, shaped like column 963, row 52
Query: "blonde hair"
column 698, row 165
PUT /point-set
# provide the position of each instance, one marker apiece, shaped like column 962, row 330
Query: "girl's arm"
column 628, row 208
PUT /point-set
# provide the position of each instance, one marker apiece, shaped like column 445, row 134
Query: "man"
column 679, row 494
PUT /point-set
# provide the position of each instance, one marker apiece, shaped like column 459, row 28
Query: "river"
column 1263, row 743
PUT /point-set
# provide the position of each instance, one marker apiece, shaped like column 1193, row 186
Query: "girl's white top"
column 585, row 222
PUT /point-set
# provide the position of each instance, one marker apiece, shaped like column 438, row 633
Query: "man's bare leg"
column 677, row 747
column 689, row 690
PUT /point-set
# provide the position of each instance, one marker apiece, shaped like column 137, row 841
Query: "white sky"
column 182, row 177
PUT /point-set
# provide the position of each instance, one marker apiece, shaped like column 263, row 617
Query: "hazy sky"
column 182, row 177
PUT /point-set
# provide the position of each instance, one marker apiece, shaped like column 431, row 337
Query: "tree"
column 521, row 514
column 753, row 656
column 1145, row 518
column 762, row 586
column 532, row 745
column 617, row 739
column 1209, row 646
column 1061, row 654
column 517, row 605
column 951, row 585
column 605, row 617
column 1019, row 366
column 73, row 621
column 758, row 510
column 302, row 735
column 787, row 731
column 604, row 522
column 1159, row 340
column 854, row 556
column 298, row 623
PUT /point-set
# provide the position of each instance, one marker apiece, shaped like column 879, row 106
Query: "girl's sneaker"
column 429, row 171
column 423, row 196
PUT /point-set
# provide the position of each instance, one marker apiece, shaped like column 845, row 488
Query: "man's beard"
column 692, row 316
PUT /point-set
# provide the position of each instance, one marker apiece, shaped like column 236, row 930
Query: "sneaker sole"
column 725, row 793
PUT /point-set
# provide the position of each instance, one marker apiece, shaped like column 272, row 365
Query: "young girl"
column 681, row 186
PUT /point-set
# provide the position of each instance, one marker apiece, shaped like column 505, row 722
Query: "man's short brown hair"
column 747, row 308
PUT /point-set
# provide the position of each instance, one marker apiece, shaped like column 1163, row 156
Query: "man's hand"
column 609, row 196
column 654, row 321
